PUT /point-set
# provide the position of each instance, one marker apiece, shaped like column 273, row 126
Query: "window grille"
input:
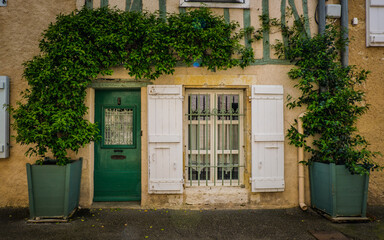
column 214, row 139
column 118, row 126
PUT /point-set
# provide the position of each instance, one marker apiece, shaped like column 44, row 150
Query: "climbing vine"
column 332, row 95
column 80, row 46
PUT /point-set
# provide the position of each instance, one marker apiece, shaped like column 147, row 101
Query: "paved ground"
column 116, row 223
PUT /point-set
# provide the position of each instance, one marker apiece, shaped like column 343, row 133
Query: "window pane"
column 199, row 137
column 228, row 136
column 118, row 126
column 198, row 107
column 199, row 165
column 228, row 106
column 228, row 167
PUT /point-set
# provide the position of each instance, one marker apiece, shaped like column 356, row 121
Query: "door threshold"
column 122, row 205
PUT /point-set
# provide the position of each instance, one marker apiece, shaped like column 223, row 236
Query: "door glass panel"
column 118, row 126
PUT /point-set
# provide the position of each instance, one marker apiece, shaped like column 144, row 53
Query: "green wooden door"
column 117, row 156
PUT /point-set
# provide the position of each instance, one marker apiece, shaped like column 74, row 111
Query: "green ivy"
column 332, row 96
column 81, row 45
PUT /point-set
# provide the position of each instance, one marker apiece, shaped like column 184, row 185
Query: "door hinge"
column 141, row 133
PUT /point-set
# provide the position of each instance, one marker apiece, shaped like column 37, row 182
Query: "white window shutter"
column 267, row 138
column 375, row 23
column 4, row 117
column 165, row 152
column 377, row 3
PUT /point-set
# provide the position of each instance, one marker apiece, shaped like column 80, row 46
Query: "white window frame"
column 218, row 182
column 374, row 38
column 245, row 5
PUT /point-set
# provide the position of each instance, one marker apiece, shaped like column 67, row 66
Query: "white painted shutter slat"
column 377, row 3
column 268, row 138
column 377, row 38
column 165, row 153
column 375, row 23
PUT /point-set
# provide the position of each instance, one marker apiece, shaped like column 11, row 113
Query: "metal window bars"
column 213, row 140
column 118, row 126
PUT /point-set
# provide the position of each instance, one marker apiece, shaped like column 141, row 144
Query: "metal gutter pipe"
column 321, row 12
column 344, row 27
column 300, row 158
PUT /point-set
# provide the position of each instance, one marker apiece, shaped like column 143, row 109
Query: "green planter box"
column 53, row 190
column 338, row 193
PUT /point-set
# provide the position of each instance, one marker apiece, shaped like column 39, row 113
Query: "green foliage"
column 81, row 45
column 333, row 98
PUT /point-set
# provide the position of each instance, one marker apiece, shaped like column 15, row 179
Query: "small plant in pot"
column 332, row 95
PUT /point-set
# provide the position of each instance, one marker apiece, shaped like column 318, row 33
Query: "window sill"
column 216, row 195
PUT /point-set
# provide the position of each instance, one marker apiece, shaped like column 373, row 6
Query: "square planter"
column 336, row 192
column 53, row 190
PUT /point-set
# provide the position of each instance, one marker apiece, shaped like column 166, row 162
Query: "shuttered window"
column 375, row 23
column 267, row 138
column 214, row 138
column 213, row 131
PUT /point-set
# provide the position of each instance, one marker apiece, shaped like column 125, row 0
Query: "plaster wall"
column 233, row 78
column 20, row 31
column 234, row 197
column 371, row 124
column 21, row 25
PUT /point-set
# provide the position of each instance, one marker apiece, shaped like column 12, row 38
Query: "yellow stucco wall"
column 23, row 21
column 230, row 79
column 372, row 124
column 21, row 25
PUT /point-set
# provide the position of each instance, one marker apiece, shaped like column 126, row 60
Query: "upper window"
column 214, row 143
column 375, row 23
column 215, row 3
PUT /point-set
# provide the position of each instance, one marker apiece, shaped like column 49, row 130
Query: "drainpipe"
column 321, row 12
column 300, row 157
column 344, row 27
